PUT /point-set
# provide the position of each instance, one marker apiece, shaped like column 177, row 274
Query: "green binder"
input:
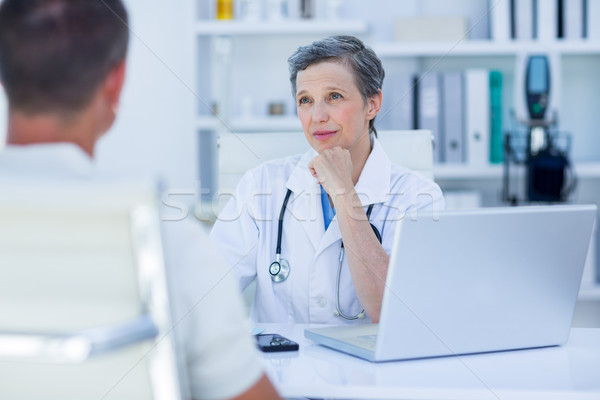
column 496, row 117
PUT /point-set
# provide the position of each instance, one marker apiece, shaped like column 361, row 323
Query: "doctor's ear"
column 374, row 104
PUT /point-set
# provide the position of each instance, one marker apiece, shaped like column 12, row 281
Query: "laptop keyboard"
column 364, row 341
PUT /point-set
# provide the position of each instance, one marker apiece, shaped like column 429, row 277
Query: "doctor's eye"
column 303, row 100
column 335, row 96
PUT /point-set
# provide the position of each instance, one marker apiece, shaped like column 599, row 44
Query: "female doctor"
column 316, row 229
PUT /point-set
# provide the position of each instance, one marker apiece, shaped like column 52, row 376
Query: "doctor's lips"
column 323, row 135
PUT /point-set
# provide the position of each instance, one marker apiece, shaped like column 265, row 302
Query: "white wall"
column 154, row 132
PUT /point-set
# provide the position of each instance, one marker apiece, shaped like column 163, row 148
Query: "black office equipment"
column 537, row 144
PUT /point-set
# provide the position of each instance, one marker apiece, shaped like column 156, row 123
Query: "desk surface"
column 571, row 371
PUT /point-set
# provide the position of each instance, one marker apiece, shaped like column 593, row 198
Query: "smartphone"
column 271, row 342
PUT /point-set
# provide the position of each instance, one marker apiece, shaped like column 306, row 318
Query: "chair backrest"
column 412, row 149
column 240, row 152
column 83, row 298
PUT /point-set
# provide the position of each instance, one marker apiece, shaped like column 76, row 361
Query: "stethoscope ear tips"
column 279, row 270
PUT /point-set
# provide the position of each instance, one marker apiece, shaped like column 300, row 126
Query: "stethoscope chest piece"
column 279, row 270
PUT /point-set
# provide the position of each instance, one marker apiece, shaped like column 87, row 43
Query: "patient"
column 62, row 64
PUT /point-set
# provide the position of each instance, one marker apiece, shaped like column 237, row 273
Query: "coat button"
column 322, row 301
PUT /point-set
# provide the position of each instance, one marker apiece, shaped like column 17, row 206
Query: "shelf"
column 463, row 171
column 589, row 293
column 285, row 27
column 266, row 124
column 589, row 170
column 478, row 48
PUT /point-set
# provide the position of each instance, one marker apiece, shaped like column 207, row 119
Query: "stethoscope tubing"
column 280, row 224
column 280, row 278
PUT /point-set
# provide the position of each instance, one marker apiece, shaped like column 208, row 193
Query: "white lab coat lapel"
column 372, row 188
column 304, row 204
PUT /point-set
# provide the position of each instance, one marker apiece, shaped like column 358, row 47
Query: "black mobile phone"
column 271, row 342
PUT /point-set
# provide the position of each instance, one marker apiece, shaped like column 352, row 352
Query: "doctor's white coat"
column 246, row 233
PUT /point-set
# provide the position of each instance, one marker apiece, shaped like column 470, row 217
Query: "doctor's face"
column 332, row 110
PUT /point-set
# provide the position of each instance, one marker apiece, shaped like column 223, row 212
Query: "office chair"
column 240, row 152
column 412, row 149
column 84, row 312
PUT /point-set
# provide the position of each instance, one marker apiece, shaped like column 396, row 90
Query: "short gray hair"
column 367, row 67
column 54, row 54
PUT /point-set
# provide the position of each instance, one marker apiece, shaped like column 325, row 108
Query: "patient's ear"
column 108, row 97
column 113, row 84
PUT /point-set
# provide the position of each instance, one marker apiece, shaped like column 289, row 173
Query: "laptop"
column 475, row 281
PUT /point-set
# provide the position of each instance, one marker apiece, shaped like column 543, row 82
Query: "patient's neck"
column 26, row 128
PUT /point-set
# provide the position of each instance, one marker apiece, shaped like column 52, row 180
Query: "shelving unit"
column 291, row 27
column 483, row 48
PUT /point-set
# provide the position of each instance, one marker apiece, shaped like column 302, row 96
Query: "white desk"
column 566, row 372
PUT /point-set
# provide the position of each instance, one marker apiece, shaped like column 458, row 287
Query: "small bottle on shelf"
column 224, row 9
column 307, row 10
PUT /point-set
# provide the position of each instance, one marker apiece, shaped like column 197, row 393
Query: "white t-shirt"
column 215, row 350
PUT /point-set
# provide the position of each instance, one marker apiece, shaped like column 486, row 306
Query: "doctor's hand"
column 333, row 169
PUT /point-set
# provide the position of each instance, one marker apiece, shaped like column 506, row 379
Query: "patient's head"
column 55, row 54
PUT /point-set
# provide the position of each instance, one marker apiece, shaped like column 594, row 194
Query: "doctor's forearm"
column 367, row 260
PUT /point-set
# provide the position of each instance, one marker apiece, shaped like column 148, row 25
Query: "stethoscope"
column 280, row 268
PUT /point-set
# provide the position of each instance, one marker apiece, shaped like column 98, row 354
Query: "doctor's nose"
column 320, row 113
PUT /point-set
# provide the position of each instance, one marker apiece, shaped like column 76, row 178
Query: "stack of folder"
column 463, row 109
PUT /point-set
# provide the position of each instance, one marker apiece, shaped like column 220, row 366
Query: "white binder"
column 477, row 116
column 593, row 18
column 397, row 107
column 573, row 19
column 452, row 117
column 429, row 111
column 500, row 20
column 547, row 19
column 523, row 19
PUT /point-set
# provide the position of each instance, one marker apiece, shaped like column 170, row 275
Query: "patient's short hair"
column 55, row 53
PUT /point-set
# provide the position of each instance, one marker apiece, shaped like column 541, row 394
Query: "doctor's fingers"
column 335, row 177
column 335, row 161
